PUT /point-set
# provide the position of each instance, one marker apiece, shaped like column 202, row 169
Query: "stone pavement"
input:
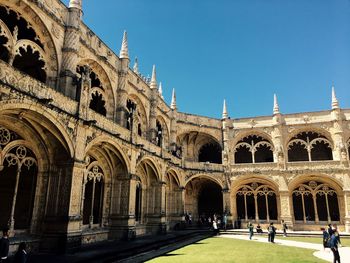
column 320, row 253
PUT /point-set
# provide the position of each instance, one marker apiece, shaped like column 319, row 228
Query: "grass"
column 316, row 240
column 223, row 250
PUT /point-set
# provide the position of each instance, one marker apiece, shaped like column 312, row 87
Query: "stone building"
column 90, row 151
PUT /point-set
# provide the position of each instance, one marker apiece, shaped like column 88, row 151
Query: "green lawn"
column 316, row 240
column 218, row 249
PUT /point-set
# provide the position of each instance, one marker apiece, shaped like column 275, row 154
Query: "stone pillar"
column 70, row 53
column 123, row 208
column 347, row 210
column 286, row 211
column 227, row 206
column 173, row 128
column 122, row 95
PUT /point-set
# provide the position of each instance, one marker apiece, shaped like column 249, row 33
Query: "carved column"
column 173, row 128
column 123, row 208
column 152, row 131
column 286, row 211
column 227, row 205
column 70, row 53
column 122, row 94
column 347, row 210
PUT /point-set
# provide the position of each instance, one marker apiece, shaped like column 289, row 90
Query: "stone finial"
column 124, row 52
column 136, row 66
column 153, row 83
column 224, row 111
column 160, row 90
column 75, row 4
column 335, row 103
column 173, row 101
column 276, row 108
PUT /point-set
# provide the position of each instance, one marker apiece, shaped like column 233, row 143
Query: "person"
column 251, row 230
column 258, row 229
column 215, row 227
column 4, row 245
column 190, row 218
column 21, row 254
column 284, row 226
column 325, row 238
column 336, row 232
column 224, row 221
column 334, row 248
column 271, row 233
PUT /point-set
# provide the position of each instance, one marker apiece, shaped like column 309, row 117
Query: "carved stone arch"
column 246, row 179
column 198, row 146
column 101, row 88
column 314, row 129
column 115, row 153
column 309, row 145
column 323, row 178
column 206, row 176
column 151, row 169
column 253, row 148
column 141, row 115
column 172, row 173
column 43, row 36
column 165, row 131
column 43, row 118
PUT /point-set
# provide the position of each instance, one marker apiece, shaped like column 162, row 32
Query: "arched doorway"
column 203, row 198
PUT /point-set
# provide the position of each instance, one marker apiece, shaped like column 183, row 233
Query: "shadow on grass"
column 170, row 255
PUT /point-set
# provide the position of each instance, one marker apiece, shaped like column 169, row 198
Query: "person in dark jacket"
column 4, row 245
column 272, row 232
column 21, row 254
column 334, row 248
column 325, row 238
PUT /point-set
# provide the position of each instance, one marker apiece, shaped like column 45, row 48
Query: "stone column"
column 70, row 52
column 347, row 210
column 286, row 211
column 227, row 206
column 123, row 208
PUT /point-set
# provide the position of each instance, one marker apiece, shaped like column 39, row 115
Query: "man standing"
column 272, row 232
column 4, row 245
column 251, row 230
column 284, row 226
column 334, row 248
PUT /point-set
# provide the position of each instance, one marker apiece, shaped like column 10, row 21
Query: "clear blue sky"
column 241, row 50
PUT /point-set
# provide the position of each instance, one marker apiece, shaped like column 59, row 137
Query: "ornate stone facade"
column 90, row 151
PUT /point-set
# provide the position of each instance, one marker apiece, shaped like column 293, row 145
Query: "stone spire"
column 335, row 103
column 124, row 52
column 160, row 90
column 153, row 84
column 276, row 108
column 224, row 111
column 136, row 66
column 173, row 101
column 75, row 4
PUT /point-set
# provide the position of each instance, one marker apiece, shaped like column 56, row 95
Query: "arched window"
column 93, row 195
column 309, row 146
column 97, row 100
column 20, row 46
column 256, row 202
column 315, row 201
column 253, row 149
column 130, row 116
column 17, row 181
column 159, row 135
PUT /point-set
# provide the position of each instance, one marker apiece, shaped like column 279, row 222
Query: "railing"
column 207, row 167
column 314, row 165
column 254, row 167
column 35, row 88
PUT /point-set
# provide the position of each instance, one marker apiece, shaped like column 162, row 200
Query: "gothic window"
column 93, row 194
column 315, row 201
column 210, row 152
column 159, row 135
column 20, row 46
column 253, row 149
column 97, row 92
column 17, row 181
column 309, row 146
column 138, row 201
column 130, row 116
column 256, row 202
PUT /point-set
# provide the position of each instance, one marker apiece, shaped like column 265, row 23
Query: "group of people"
column 331, row 239
column 21, row 255
column 271, row 231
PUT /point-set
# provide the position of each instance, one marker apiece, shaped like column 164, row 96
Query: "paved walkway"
column 320, row 253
